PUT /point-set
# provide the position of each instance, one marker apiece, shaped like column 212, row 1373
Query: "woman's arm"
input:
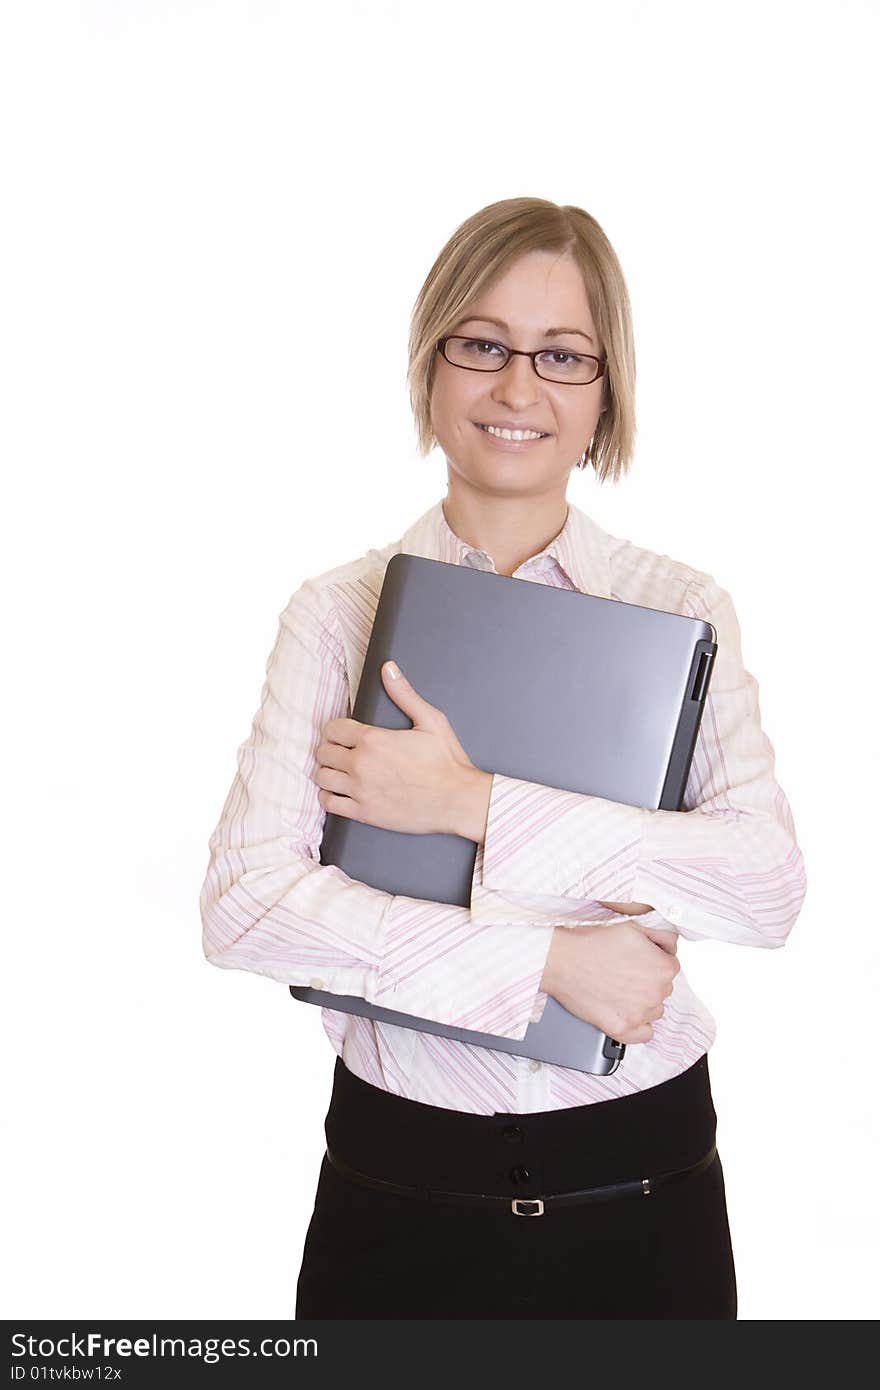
column 473, row 812
column 727, row 866
column 269, row 906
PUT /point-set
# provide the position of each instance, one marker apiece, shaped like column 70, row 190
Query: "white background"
column 206, row 204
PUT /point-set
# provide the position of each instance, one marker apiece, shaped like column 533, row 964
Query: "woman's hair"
column 476, row 254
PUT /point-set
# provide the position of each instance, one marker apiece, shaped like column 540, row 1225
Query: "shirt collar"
column 581, row 549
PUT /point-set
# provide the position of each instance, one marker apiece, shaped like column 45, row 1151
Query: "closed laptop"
column 549, row 685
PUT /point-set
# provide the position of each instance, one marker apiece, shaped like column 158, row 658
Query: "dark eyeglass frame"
column 601, row 362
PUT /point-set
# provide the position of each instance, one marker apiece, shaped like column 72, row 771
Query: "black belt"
column 531, row 1206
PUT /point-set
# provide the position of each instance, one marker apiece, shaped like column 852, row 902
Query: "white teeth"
column 512, row 434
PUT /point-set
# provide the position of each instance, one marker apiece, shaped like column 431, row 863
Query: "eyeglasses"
column 553, row 364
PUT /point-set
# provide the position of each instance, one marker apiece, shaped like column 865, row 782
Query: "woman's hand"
column 397, row 779
column 615, row 975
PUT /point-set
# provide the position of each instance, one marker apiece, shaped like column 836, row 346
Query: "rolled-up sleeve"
column 726, row 866
column 269, row 906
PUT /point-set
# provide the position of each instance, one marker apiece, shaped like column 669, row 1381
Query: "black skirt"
column 375, row 1254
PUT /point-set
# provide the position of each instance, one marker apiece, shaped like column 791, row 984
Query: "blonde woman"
column 460, row 1181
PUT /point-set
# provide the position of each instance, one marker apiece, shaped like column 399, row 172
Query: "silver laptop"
column 624, row 687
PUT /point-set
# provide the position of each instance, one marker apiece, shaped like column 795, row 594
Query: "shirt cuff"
column 532, row 865
column 484, row 978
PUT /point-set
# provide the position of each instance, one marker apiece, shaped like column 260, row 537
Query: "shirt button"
column 317, row 984
column 519, row 1175
column 672, row 912
column 534, row 1065
column 513, row 1134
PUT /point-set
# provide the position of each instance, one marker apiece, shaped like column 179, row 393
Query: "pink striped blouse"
column 727, row 866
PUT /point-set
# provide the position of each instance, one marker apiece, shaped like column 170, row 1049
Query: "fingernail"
column 392, row 670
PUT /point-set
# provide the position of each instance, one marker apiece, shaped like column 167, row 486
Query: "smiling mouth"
column 494, row 435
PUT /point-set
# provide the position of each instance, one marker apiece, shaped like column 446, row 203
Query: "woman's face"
column 541, row 290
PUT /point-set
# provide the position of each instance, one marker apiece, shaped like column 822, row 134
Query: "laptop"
column 625, row 687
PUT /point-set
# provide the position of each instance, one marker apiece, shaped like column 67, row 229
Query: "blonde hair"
column 476, row 254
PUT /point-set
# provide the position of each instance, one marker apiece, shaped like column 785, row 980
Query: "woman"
column 523, row 324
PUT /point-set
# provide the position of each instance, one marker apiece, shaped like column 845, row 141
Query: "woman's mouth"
column 510, row 439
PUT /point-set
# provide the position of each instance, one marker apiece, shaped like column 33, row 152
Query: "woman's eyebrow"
column 499, row 323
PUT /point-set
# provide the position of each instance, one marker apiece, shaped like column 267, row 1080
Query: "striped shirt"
column 726, row 866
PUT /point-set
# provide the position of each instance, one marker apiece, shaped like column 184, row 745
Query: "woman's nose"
column 518, row 381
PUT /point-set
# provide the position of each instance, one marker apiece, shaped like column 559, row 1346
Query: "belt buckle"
column 517, row 1202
